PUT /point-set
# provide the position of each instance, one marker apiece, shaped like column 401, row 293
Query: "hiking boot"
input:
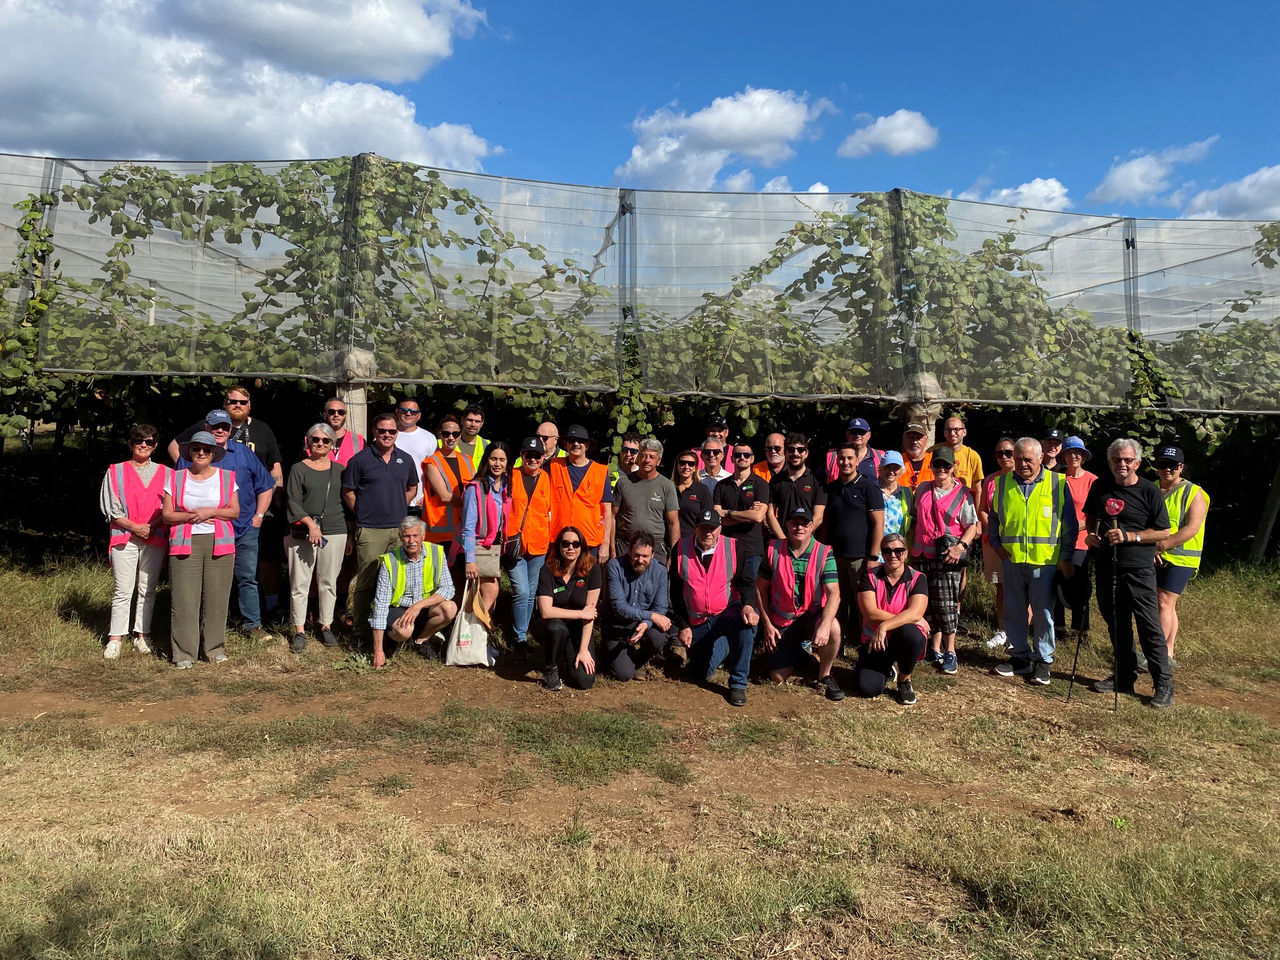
column 1014, row 667
column 262, row 634
column 949, row 663
column 551, row 679
column 142, row 644
column 1143, row 666
column 1040, row 674
column 327, row 638
column 1109, row 686
column 298, row 643
column 906, row 692
column 112, row 650
column 830, row 689
column 737, row 697
column 1164, row 697
column 998, row 640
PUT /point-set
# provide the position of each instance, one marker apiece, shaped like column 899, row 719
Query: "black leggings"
column 620, row 658
column 902, row 646
column 561, row 640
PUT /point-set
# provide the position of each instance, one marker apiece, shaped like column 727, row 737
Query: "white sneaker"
column 141, row 645
column 999, row 641
column 112, row 649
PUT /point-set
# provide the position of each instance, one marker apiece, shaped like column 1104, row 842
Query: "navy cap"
column 577, row 431
column 708, row 518
column 800, row 513
column 717, row 420
column 857, row 423
column 1053, row 433
column 217, row 416
column 1169, row 452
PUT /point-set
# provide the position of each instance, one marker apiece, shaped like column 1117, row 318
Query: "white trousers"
column 136, row 567
column 324, row 562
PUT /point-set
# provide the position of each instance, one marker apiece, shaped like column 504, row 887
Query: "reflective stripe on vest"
column 926, row 523
column 582, row 507
column 1025, row 531
column 1178, row 503
column 893, row 603
column 224, row 536
column 443, row 517
column 134, row 496
column 782, row 589
column 536, row 536
column 707, row 590
column 396, row 562
column 477, row 454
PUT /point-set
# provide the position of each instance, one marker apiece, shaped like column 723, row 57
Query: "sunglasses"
column 1167, row 465
column 320, row 441
column 893, row 551
column 796, row 449
column 450, row 433
column 201, row 449
column 408, row 411
column 532, row 457
column 570, row 544
column 387, row 430
column 686, row 463
column 235, row 403
column 742, row 454
column 773, row 449
column 631, row 451
column 1004, row 453
column 220, row 426
column 1124, row 459
column 943, row 467
column 339, row 413
column 547, row 436
column 145, row 442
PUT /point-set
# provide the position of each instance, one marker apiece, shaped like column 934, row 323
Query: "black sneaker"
column 1164, row 697
column 1014, row 667
column 327, row 638
column 551, row 679
column 426, row 649
column 906, row 693
column 737, row 697
column 1040, row 673
column 830, row 688
column 1109, row 686
column 893, row 672
column 298, row 643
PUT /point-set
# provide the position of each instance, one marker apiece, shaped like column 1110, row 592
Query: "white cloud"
column 1038, row 194
column 818, row 187
column 741, row 182
column 902, row 132
column 777, row 185
column 144, row 79
column 1252, row 197
column 684, row 151
column 1144, row 177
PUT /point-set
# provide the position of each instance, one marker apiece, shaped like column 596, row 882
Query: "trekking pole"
column 1115, row 626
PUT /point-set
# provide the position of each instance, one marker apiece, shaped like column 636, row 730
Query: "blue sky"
column 1162, row 110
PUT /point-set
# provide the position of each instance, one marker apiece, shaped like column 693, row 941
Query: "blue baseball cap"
column 214, row 417
column 857, row 423
column 892, row 456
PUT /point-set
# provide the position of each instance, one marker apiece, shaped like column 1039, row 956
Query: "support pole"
column 1266, row 522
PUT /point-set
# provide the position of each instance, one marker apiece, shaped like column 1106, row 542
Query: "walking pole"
column 1115, row 603
column 1062, row 598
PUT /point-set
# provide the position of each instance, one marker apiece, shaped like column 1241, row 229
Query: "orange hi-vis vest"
column 533, row 512
column 444, row 517
column 582, row 508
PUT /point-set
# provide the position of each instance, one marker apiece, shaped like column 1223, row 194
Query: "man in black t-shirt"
column 742, row 500
column 852, row 525
column 1125, row 516
column 795, row 486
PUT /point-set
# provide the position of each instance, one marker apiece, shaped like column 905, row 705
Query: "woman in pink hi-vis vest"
column 199, row 505
column 132, row 498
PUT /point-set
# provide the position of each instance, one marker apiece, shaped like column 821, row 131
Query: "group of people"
column 869, row 549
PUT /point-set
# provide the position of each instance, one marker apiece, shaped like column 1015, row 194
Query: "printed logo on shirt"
column 655, row 498
column 398, row 460
column 807, row 489
column 580, row 583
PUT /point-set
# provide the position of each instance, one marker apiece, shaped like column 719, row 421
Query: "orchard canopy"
column 367, row 269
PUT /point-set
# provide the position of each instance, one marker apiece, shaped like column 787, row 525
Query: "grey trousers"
column 200, row 585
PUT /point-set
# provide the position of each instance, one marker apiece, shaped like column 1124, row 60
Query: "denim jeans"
column 1029, row 584
column 524, row 584
column 246, row 578
column 723, row 639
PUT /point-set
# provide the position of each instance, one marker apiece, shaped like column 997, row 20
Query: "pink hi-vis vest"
column 833, row 467
column 894, row 602
column 708, row 591
column 782, row 596
column 935, row 516
column 490, row 516
column 143, row 503
column 224, row 538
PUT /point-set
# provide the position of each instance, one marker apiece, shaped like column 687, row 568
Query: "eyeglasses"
column 320, row 441
column 335, row 413
column 712, row 452
column 893, row 551
column 547, row 436
column 943, row 467
column 1124, row 459
column 201, row 449
column 408, row 411
column 1167, row 465
column 794, row 448
column 570, row 544
column 144, row 442
column 631, row 451
column 532, row 457
column 742, row 454
column 1004, row 453
column 575, row 443
column 686, row 463
column 235, row 403
column 773, row 449
column 219, row 426
column 390, row 430
column 450, row 433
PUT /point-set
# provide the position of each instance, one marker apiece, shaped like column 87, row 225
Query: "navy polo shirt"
column 380, row 486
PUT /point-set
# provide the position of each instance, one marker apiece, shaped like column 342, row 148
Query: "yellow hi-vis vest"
column 396, row 561
column 1178, row 502
column 1031, row 525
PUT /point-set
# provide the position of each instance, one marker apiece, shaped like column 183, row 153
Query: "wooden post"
column 1266, row 522
column 355, row 367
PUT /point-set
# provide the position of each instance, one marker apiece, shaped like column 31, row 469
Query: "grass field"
column 282, row 806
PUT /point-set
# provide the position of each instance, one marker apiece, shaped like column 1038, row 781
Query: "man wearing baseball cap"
column 713, row 603
column 1051, row 444
column 916, row 458
column 1126, row 518
column 799, row 592
column 1178, row 554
